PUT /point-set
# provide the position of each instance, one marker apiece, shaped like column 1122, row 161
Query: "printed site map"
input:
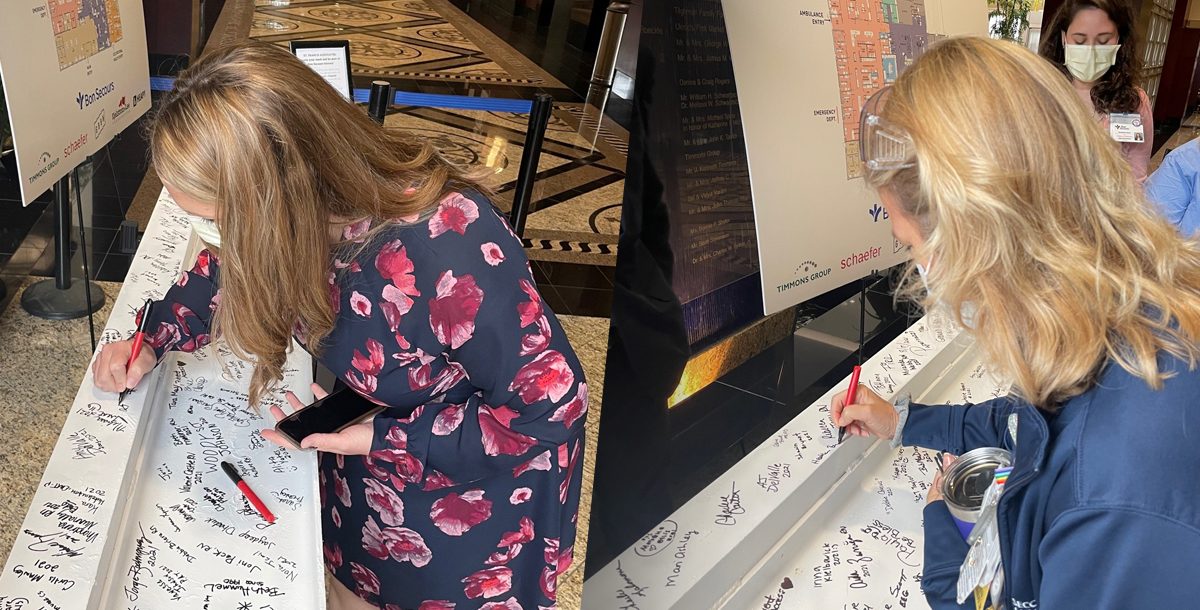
column 874, row 40
column 83, row 28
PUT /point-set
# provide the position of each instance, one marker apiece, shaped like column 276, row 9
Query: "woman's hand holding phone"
column 353, row 440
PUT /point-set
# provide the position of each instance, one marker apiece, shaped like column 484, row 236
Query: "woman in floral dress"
column 401, row 277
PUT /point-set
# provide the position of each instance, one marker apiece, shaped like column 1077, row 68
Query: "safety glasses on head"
column 882, row 146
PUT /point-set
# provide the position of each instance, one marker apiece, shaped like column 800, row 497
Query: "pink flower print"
column 355, row 267
column 509, row 604
column 498, row 438
column 520, row 495
column 365, row 384
column 165, row 336
column 396, row 437
column 375, row 467
column 335, row 294
column 448, row 420
column 341, row 460
column 492, row 254
column 393, row 264
column 449, row 377
column 454, row 213
column 452, row 312
column 562, row 456
column 371, row 365
column 373, row 541
column 547, row 375
column 565, row 558
column 336, row 516
column 384, row 501
column 407, row 465
column 419, row 377
column 504, row 556
column 437, row 480
column 204, row 262
column 530, row 310
column 456, row 514
column 541, row 462
column 341, row 489
column 407, row 545
column 366, row 582
column 537, row 341
column 394, row 305
column 182, row 281
column 333, row 556
column 549, row 582
column 572, row 411
column 354, row 231
column 566, row 482
column 438, row 604
column 550, row 554
column 489, row 582
column 521, row 536
column 360, row 304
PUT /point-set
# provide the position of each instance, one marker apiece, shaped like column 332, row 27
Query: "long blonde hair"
column 281, row 153
column 1031, row 214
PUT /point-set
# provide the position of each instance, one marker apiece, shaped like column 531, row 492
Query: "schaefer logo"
column 861, row 257
column 79, row 143
column 805, row 273
column 122, row 108
column 85, row 99
column 45, row 164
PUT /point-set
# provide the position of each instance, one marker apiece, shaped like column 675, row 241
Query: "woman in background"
column 393, row 269
column 1020, row 212
column 1093, row 43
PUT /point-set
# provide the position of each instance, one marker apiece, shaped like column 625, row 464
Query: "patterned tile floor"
column 431, row 46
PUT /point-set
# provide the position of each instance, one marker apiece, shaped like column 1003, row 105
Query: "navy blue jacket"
column 1102, row 509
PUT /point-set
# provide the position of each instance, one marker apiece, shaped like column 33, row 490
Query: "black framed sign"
column 330, row 59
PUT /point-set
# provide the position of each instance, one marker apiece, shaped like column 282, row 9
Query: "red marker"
column 139, row 338
column 850, row 397
column 246, row 491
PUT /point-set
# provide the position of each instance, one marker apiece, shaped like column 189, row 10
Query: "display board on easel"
column 818, row 227
column 75, row 74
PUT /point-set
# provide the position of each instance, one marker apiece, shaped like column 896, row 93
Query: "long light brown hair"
column 1030, row 213
column 282, row 155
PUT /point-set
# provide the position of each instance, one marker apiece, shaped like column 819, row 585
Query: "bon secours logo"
column 876, row 212
column 805, row 273
column 45, row 164
column 85, row 99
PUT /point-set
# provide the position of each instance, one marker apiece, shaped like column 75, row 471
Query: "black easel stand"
column 539, row 119
column 60, row 298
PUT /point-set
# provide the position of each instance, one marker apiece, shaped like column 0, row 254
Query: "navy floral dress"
column 469, row 497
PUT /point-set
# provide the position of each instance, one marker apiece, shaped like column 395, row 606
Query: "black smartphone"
column 327, row 415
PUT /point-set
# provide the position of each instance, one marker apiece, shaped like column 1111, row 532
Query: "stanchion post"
column 539, row 119
column 380, row 100
column 60, row 298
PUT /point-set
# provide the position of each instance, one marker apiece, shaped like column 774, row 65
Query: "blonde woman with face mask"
column 1094, row 44
column 1083, row 295
column 393, row 269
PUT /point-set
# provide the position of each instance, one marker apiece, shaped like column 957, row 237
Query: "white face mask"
column 207, row 230
column 967, row 311
column 1089, row 62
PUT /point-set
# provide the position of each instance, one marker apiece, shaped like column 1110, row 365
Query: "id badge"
column 1126, row 127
